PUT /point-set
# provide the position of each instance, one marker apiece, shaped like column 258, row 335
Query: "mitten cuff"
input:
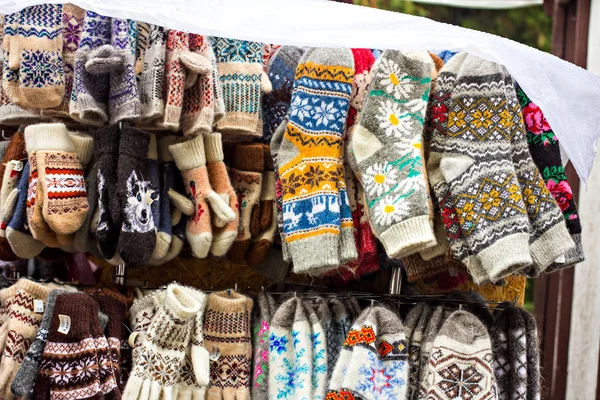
column 554, row 243
column 84, row 146
column 106, row 140
column 134, row 142
column 505, row 256
column 408, row 237
column 35, row 289
column 189, row 155
column 228, row 301
column 47, row 137
column 249, row 158
column 180, row 303
column 213, row 146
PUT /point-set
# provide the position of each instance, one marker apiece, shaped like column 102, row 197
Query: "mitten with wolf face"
column 138, row 236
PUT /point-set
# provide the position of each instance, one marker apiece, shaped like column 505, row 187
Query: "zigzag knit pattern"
column 65, row 183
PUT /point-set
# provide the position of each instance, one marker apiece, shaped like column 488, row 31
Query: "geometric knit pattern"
column 385, row 149
column 315, row 201
column 65, row 185
column 153, row 75
column 124, row 102
column 173, row 85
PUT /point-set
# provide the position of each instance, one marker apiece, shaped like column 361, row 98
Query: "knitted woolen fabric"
column 22, row 326
column 385, row 150
column 471, row 169
column 320, row 322
column 25, row 378
column 434, row 324
column 290, row 352
column 142, row 45
column 416, row 268
column 160, row 249
column 32, row 52
column 167, row 171
column 152, row 79
column 461, row 360
column 136, row 195
column 89, row 98
column 227, row 326
column 545, row 151
column 141, row 313
column 173, row 85
column 379, row 353
column 419, row 317
column 163, row 347
column 261, row 321
column 309, row 148
column 338, row 330
column 533, row 357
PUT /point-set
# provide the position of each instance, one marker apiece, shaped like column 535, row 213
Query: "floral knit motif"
column 261, row 361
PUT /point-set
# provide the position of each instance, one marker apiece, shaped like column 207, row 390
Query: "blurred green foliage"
column 529, row 25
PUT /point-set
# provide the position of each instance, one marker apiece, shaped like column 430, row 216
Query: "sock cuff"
column 213, row 146
column 249, row 157
column 84, row 146
column 189, row 155
column 48, row 137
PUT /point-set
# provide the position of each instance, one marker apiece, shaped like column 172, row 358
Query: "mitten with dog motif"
column 136, row 193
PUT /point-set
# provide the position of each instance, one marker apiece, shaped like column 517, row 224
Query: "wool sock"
column 545, row 152
column 290, row 351
column 72, row 26
column 60, row 176
column 89, row 98
column 243, row 81
column 266, row 307
column 30, row 83
column 246, row 178
column 462, row 348
column 106, row 148
column 227, row 327
column 137, row 194
column 309, row 160
column 152, row 78
column 224, row 233
column 18, row 236
column 385, row 149
column 191, row 161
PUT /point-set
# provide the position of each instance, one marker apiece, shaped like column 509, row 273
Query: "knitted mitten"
column 290, row 352
column 338, row 330
column 124, row 100
column 243, row 81
column 533, row 357
column 246, row 179
column 376, row 344
column 33, row 52
column 11, row 170
column 488, row 231
column 89, row 98
column 167, row 171
column 502, row 362
column 191, row 161
column 224, row 233
column 163, row 347
column 106, row 148
column 154, row 178
column 227, row 327
column 141, row 313
column 20, row 239
column 199, row 100
column 63, row 196
column 151, row 81
column 320, row 320
column 545, row 152
column 415, row 324
column 461, row 353
column 142, row 45
column 173, row 86
column 25, row 378
column 385, row 149
column 22, row 326
column 72, row 26
column 83, row 237
column 266, row 307
column 136, row 196
column 309, row 148
column 434, row 324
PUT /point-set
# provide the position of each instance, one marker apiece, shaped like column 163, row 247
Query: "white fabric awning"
column 569, row 95
column 484, row 4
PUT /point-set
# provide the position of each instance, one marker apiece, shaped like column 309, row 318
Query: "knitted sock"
column 227, row 326
column 246, row 179
column 191, row 161
column 89, row 98
column 319, row 317
column 499, row 246
column 38, row 36
column 25, row 378
column 310, row 161
column 275, row 146
column 550, row 238
column 290, row 352
column 266, row 307
column 386, row 152
column 167, row 338
column 138, row 232
column 106, row 147
column 545, row 152
column 72, row 26
column 124, row 100
column 18, row 236
column 22, row 326
column 462, row 350
column 533, row 357
column 60, row 176
column 151, row 81
column 243, row 81
column 224, row 233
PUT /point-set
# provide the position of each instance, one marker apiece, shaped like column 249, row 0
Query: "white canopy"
column 569, row 95
column 484, row 4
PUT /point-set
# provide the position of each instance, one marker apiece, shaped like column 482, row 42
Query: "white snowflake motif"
column 300, row 108
column 390, row 210
column 325, row 113
column 391, row 79
column 379, row 178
